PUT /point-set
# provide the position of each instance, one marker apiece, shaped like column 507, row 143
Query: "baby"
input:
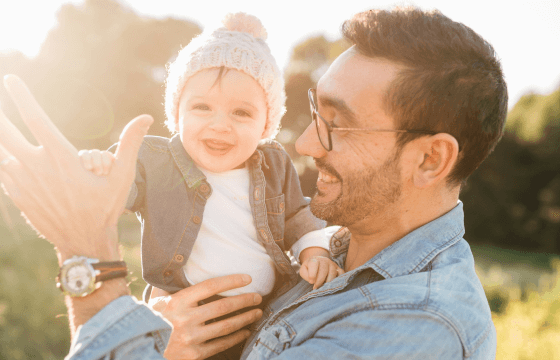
column 221, row 197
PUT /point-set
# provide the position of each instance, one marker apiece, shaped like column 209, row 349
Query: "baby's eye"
column 203, row 107
column 241, row 112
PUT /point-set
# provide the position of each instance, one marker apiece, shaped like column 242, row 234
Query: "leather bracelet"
column 110, row 270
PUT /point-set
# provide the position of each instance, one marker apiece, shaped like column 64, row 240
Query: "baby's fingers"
column 312, row 267
column 322, row 274
column 304, row 272
column 334, row 271
column 85, row 158
column 107, row 159
column 97, row 162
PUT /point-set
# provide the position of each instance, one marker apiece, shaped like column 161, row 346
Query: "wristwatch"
column 80, row 276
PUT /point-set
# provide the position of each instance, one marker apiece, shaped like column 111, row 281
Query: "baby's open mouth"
column 217, row 144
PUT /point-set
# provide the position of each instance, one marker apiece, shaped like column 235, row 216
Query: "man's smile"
column 326, row 178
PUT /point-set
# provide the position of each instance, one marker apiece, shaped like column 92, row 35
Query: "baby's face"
column 221, row 122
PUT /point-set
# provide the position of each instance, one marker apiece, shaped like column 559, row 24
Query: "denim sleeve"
column 124, row 329
column 298, row 220
column 386, row 334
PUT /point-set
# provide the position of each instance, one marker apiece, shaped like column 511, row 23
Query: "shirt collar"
column 192, row 175
column 414, row 251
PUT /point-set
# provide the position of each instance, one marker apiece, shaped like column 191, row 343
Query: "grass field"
column 523, row 290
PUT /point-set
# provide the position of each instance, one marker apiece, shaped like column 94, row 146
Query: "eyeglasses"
column 324, row 129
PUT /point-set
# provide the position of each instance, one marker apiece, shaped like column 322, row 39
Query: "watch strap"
column 110, row 270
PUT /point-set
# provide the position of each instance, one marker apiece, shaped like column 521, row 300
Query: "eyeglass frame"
column 331, row 128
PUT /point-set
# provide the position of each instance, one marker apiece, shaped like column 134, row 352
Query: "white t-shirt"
column 227, row 242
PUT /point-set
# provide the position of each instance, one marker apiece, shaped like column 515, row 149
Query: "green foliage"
column 536, row 119
column 513, row 199
column 33, row 318
column 33, row 321
column 528, row 320
column 99, row 67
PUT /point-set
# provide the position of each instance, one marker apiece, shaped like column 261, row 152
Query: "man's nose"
column 308, row 143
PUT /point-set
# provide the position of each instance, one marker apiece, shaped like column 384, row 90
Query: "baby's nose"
column 221, row 123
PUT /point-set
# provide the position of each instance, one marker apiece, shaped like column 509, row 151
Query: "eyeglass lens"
column 322, row 130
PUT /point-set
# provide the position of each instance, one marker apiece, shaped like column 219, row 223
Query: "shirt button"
column 257, row 193
column 337, row 243
column 281, row 206
column 178, row 257
column 256, row 157
column 196, row 219
column 263, row 234
column 204, row 188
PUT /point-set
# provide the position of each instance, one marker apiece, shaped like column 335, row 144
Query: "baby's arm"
column 316, row 266
column 97, row 161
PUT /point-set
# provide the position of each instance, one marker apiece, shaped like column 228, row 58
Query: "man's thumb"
column 131, row 139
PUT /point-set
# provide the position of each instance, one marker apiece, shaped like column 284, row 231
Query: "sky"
column 526, row 36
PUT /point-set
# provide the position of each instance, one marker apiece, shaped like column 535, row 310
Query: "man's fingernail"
column 257, row 299
column 246, row 278
column 258, row 314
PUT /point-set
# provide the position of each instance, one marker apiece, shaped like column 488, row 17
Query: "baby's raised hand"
column 317, row 268
column 97, row 161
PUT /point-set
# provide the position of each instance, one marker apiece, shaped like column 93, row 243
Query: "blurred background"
column 95, row 64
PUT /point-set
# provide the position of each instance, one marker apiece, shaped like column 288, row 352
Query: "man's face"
column 361, row 176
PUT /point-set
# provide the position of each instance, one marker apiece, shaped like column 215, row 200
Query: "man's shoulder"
column 447, row 288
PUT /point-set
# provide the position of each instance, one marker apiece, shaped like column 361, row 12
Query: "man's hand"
column 192, row 338
column 74, row 209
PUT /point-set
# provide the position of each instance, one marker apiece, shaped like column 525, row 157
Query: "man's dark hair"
column 451, row 80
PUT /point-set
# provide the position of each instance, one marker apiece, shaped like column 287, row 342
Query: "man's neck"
column 378, row 231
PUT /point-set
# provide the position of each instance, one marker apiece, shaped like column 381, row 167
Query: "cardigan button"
column 196, row 219
column 167, row 273
column 179, row 258
column 204, row 188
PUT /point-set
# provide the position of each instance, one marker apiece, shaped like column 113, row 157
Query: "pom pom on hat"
column 245, row 23
column 239, row 45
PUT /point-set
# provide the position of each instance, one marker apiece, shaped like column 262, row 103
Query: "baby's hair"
column 223, row 71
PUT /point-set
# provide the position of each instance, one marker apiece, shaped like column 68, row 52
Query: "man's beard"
column 364, row 192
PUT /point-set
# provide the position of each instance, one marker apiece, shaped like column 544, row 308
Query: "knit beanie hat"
column 240, row 45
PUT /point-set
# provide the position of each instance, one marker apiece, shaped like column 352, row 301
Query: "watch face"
column 78, row 279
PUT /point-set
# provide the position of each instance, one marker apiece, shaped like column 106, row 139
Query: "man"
column 400, row 120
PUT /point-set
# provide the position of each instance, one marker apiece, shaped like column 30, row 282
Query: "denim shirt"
column 169, row 194
column 419, row 298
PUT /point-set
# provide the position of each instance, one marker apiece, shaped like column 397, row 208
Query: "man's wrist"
column 102, row 246
column 81, row 309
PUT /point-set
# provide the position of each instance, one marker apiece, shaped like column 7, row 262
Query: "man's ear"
column 436, row 157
